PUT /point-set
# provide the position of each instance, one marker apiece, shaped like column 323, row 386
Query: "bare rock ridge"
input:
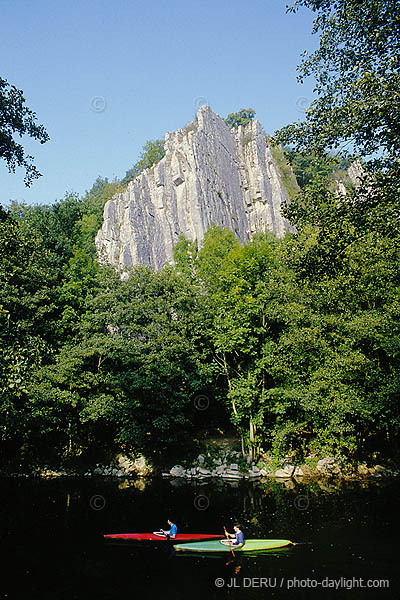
column 210, row 175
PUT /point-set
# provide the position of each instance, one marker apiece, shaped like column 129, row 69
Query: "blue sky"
column 104, row 77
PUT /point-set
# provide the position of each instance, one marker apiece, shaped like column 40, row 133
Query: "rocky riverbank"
column 121, row 466
column 228, row 466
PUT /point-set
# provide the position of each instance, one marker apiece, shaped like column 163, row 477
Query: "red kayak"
column 160, row 537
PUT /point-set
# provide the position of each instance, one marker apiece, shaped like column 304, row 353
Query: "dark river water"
column 52, row 545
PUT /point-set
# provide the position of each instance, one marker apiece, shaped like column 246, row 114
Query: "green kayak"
column 218, row 546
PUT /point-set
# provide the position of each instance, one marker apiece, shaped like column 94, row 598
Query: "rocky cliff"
column 210, row 174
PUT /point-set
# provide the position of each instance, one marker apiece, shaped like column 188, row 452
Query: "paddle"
column 229, row 542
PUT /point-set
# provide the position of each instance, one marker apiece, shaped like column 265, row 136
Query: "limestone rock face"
column 210, row 175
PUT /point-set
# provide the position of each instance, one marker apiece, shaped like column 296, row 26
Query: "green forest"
column 292, row 345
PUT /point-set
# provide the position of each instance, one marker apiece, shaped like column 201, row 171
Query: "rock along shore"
column 228, row 466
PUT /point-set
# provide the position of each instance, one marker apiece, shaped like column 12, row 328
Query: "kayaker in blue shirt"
column 238, row 535
column 173, row 530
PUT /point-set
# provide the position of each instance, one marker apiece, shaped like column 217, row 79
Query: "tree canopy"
column 17, row 118
column 356, row 69
column 153, row 151
column 244, row 116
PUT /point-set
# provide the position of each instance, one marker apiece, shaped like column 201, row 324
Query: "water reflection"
column 353, row 528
